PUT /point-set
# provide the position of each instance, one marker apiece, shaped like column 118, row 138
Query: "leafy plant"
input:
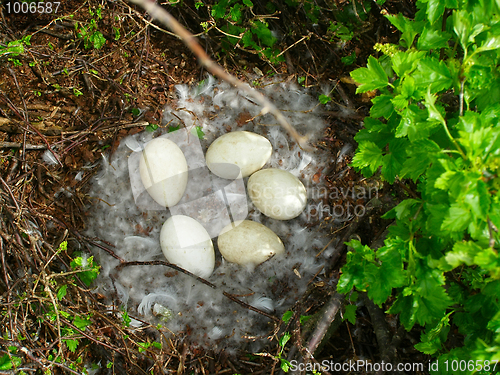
column 284, row 363
column 86, row 269
column 249, row 33
column 436, row 122
column 90, row 34
column 9, row 361
column 16, row 47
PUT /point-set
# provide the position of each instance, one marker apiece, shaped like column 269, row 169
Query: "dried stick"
column 166, row 18
column 200, row 279
column 20, row 145
column 330, row 312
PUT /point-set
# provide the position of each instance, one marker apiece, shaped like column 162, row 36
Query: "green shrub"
column 436, row 122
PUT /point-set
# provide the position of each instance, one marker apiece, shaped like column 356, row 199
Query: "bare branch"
column 166, row 18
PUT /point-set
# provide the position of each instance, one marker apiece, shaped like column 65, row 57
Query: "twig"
column 166, row 264
column 26, row 122
column 491, row 228
column 200, row 279
column 19, row 145
column 11, row 195
column 166, row 18
column 379, row 326
column 250, row 307
column 326, row 321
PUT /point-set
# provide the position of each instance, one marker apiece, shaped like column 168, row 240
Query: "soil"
column 64, row 103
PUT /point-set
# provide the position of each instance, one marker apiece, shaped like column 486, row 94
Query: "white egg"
column 238, row 151
column 277, row 193
column 186, row 243
column 164, row 171
column 248, row 243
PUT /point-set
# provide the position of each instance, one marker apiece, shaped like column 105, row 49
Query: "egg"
column 186, row 243
column 239, row 151
column 248, row 243
column 164, row 171
column 277, row 193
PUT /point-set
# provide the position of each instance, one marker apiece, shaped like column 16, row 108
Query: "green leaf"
column 248, row 3
column 350, row 313
column 368, row 157
column 432, row 39
column 390, row 274
column 81, row 323
column 409, row 28
column 72, row 344
column 143, row 346
column 353, row 273
column 428, row 300
column 198, row 132
column 287, row 316
column 323, row 99
column 491, row 43
column 463, row 252
column 403, row 210
column 171, row 128
column 63, row 246
column 235, row 13
column 435, row 10
column 393, row 161
column 62, row 292
column 261, row 30
column 404, row 63
column 375, row 131
column 436, row 112
column 304, row 318
column 478, row 199
column 433, row 74
column 97, row 39
column 248, row 41
column 126, row 318
column 219, row 9
column 456, row 219
column 285, row 365
column 382, row 106
column 152, row 127
column 349, row 59
column 284, row 339
column 370, row 78
column 420, row 155
column 415, row 124
column 434, row 336
column 7, row 363
column 157, row 345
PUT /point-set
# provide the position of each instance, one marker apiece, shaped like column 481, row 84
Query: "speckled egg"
column 164, row 171
column 186, row 243
column 277, row 193
column 248, row 243
column 239, row 151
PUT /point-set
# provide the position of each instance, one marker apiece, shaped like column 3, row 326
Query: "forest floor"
column 64, row 102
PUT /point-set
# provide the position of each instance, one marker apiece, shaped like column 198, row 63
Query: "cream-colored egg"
column 186, row 243
column 164, row 171
column 238, row 151
column 277, row 193
column 248, row 243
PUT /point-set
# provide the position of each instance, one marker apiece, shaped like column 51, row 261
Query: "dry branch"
column 166, row 18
